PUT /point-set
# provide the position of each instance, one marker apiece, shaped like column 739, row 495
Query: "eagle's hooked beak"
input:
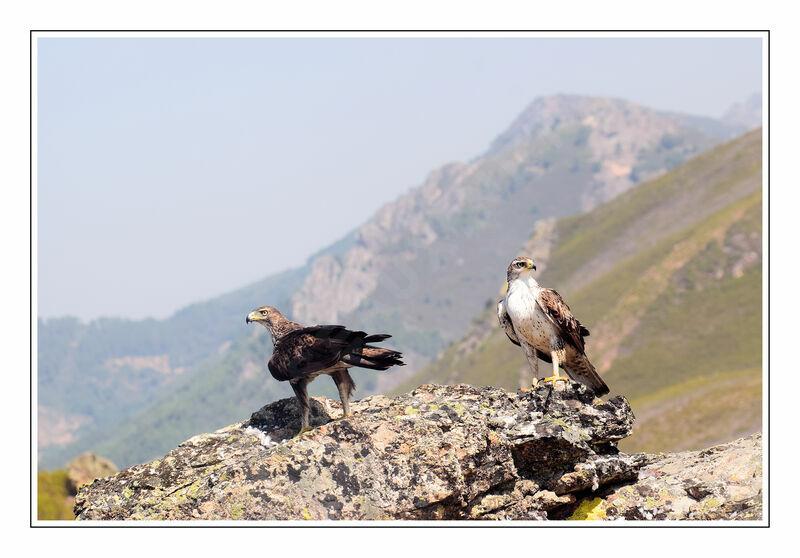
column 531, row 265
column 252, row 317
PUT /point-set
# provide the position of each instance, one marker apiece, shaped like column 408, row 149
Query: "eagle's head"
column 520, row 267
column 268, row 316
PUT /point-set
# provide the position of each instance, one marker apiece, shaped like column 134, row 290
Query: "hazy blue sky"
column 173, row 170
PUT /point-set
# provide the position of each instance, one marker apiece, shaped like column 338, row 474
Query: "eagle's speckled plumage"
column 538, row 320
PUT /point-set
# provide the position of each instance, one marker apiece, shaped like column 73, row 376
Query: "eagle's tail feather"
column 374, row 358
column 376, row 338
column 581, row 370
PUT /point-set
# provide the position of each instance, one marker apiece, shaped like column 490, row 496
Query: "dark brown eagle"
column 538, row 320
column 303, row 353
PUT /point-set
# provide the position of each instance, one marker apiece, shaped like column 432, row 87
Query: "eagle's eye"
column 520, row 264
column 263, row 312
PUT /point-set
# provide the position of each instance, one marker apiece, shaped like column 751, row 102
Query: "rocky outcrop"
column 85, row 468
column 439, row 452
column 721, row 482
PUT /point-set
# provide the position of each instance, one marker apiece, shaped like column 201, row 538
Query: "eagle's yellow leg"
column 555, row 377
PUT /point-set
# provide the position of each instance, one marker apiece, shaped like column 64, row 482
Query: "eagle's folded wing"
column 560, row 314
column 505, row 322
column 310, row 349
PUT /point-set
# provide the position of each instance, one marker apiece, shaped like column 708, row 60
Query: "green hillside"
column 668, row 279
column 52, row 496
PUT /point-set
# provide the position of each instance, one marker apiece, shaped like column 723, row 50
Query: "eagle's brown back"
column 555, row 307
column 307, row 350
column 303, row 351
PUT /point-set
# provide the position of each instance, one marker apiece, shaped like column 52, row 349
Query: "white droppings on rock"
column 263, row 438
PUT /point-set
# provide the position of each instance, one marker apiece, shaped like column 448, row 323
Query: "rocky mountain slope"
column 421, row 269
column 439, row 452
column 563, row 155
column 667, row 277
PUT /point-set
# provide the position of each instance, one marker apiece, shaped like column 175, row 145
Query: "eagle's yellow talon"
column 303, row 431
column 553, row 380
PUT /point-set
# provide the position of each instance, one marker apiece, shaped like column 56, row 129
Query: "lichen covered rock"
column 439, row 452
column 721, row 482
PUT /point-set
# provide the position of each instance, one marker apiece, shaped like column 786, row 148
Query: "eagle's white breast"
column 530, row 322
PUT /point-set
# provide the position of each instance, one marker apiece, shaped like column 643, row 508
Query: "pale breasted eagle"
column 303, row 353
column 539, row 321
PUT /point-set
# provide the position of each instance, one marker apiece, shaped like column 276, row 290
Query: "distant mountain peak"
column 547, row 114
column 609, row 117
column 747, row 113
